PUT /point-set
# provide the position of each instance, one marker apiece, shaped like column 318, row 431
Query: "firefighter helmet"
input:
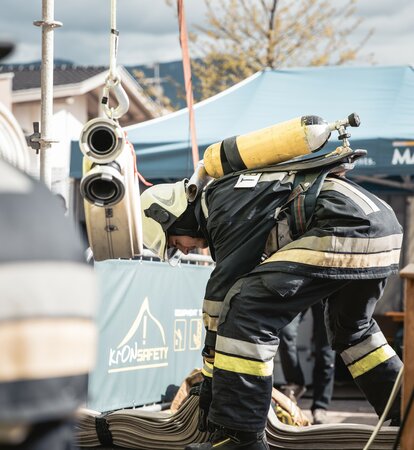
column 161, row 206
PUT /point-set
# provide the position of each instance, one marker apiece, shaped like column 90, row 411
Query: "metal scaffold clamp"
column 36, row 141
column 48, row 23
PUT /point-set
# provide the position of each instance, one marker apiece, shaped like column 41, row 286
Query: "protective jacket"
column 348, row 232
column 284, row 241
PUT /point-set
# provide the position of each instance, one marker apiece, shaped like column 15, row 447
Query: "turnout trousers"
column 259, row 305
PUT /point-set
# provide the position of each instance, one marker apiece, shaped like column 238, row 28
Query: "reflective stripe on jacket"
column 352, row 235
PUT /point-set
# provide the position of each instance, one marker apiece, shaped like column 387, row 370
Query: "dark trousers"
column 324, row 367
column 258, row 306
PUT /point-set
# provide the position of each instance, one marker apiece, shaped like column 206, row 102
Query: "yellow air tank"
column 267, row 146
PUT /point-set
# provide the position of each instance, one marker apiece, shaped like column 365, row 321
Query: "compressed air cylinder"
column 267, row 146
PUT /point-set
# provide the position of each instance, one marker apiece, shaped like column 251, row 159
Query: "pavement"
column 348, row 406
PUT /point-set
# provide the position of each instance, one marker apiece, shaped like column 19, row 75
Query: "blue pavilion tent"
column 382, row 96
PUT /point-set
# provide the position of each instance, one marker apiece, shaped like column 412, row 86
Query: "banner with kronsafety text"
column 150, row 330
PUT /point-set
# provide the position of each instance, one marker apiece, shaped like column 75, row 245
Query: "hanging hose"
column 110, row 186
column 391, row 399
column 113, row 47
column 113, row 80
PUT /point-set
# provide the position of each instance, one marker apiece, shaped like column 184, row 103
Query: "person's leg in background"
column 324, row 368
column 289, row 360
column 354, row 334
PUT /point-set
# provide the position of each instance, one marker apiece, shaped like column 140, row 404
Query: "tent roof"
column 382, row 96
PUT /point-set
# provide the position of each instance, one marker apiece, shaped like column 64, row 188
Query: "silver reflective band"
column 363, row 348
column 47, row 289
column 211, row 323
column 204, row 207
column 348, row 244
column 365, row 203
column 212, row 308
column 262, row 352
column 276, row 176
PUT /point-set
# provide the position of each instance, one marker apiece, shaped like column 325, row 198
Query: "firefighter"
column 282, row 241
column 47, row 330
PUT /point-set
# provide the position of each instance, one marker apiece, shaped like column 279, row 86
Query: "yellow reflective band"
column 340, row 260
column 219, row 444
column 207, row 369
column 370, row 361
column 210, row 323
column 239, row 365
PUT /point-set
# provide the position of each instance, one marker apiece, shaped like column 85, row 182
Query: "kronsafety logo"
column 143, row 347
column 403, row 152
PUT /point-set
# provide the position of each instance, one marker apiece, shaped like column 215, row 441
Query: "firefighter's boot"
column 225, row 439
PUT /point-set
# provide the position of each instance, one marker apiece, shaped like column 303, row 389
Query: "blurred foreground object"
column 13, row 147
column 6, row 48
column 46, row 319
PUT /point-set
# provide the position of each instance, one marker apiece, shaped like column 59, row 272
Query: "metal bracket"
column 44, row 23
column 35, row 139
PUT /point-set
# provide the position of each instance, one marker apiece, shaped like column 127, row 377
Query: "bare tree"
column 242, row 37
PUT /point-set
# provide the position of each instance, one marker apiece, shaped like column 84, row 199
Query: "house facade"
column 77, row 97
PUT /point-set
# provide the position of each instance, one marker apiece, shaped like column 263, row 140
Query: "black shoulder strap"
column 306, row 189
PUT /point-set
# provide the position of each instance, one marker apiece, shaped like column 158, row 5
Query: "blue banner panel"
column 150, row 330
column 385, row 157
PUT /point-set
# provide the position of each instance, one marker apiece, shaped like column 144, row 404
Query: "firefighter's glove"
column 206, row 396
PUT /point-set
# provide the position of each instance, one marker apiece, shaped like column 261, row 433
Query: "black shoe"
column 225, row 439
column 395, row 422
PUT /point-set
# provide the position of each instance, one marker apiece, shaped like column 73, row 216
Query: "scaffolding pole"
column 48, row 24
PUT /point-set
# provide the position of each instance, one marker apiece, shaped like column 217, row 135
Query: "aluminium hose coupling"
column 102, row 140
column 103, row 185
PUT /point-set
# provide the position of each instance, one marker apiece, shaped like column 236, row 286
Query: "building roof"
column 72, row 80
column 27, row 76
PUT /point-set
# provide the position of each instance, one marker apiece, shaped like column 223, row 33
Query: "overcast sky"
column 148, row 30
